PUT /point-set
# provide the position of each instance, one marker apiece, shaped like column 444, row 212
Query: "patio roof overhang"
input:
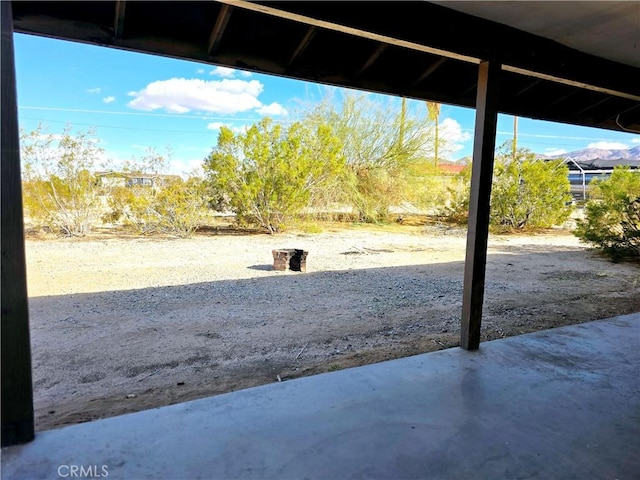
column 417, row 49
column 568, row 62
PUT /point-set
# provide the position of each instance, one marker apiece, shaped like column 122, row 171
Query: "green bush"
column 529, row 193
column 612, row 215
column 132, row 207
column 268, row 174
column 58, row 187
column 381, row 143
column 526, row 193
column 178, row 208
column 181, row 207
column 455, row 207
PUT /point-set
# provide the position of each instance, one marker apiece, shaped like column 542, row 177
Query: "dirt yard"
column 124, row 324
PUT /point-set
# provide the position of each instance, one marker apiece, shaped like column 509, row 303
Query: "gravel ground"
column 124, row 324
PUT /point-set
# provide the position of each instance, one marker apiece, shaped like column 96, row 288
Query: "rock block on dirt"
column 294, row 259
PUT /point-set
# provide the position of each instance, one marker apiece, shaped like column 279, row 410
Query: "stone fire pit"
column 290, row 258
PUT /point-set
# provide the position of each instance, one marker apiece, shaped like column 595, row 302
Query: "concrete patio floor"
column 556, row 404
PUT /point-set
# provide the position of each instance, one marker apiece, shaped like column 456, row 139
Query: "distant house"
column 450, row 168
column 581, row 172
column 110, row 179
column 150, row 180
column 129, row 179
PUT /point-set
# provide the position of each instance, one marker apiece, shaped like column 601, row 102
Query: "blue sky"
column 137, row 101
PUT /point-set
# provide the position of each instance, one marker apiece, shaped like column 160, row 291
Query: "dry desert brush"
column 612, row 215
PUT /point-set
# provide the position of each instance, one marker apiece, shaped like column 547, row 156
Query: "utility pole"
column 403, row 116
column 434, row 115
column 515, row 138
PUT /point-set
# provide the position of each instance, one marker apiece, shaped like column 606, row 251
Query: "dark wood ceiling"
column 415, row 49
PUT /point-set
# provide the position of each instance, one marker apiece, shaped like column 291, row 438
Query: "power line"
column 562, row 137
column 210, row 132
column 253, row 119
column 230, row 120
column 121, row 128
column 139, row 114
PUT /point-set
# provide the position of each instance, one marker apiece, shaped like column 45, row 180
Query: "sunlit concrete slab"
column 556, row 404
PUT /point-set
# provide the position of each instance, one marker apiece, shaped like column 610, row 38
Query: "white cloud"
column 451, row 132
column 555, row 151
column 109, row 99
column 186, row 167
column 635, row 140
column 224, row 72
column 273, row 109
column 181, row 95
column 132, row 93
column 245, row 74
column 217, row 125
column 608, row 145
column 200, row 71
column 48, row 136
column 94, row 91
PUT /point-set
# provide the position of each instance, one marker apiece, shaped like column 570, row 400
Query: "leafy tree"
column 59, row 188
column 527, row 192
column 380, row 143
column 267, row 174
column 612, row 215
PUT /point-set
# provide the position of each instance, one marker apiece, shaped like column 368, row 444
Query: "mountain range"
column 599, row 153
column 630, row 156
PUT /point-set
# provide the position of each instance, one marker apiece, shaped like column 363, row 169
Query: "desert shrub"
column 430, row 189
column 612, row 215
column 455, row 205
column 268, row 174
column 375, row 190
column 181, row 207
column 133, row 207
column 178, row 208
column 59, row 190
column 526, row 193
column 530, row 193
column 380, row 143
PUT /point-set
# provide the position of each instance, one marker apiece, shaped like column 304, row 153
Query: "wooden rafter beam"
column 118, row 23
column 371, row 60
column 570, row 82
column 219, row 27
column 338, row 27
column 429, row 71
column 468, row 90
column 562, row 98
column 469, row 52
column 527, row 88
column 302, row 46
column 593, row 105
